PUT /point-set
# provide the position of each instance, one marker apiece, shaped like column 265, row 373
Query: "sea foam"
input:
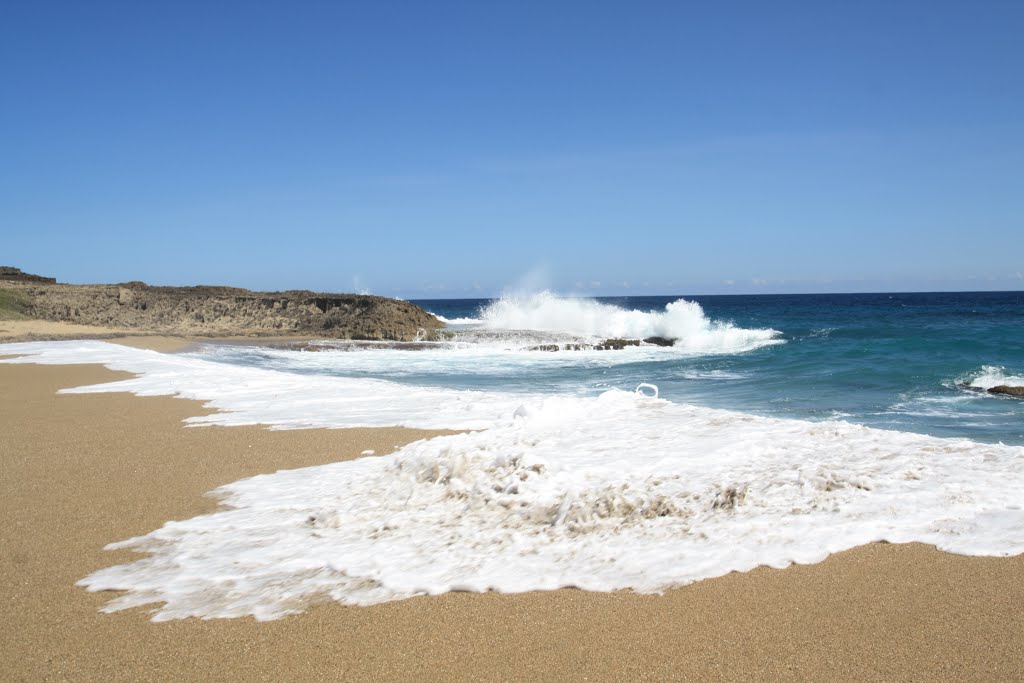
column 611, row 492
column 457, row 322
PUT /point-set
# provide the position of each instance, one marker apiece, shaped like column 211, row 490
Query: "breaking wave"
column 457, row 322
column 682, row 321
column 993, row 376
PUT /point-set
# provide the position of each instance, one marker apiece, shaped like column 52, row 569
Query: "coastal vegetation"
column 12, row 304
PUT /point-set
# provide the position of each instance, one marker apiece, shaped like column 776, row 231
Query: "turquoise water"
column 895, row 361
column 885, row 360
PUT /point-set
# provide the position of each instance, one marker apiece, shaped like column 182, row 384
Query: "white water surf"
column 613, row 492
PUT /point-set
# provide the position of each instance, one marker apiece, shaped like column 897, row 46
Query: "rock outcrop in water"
column 660, row 341
column 1006, row 390
column 606, row 345
column 1000, row 390
column 223, row 311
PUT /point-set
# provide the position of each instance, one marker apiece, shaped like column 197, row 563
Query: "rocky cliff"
column 11, row 273
column 223, row 311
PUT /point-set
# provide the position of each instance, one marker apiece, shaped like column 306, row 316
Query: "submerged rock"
column 659, row 341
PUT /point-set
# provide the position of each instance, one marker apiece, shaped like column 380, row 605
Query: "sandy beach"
column 81, row 471
column 32, row 330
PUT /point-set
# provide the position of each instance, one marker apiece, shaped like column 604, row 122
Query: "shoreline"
column 81, row 471
column 23, row 331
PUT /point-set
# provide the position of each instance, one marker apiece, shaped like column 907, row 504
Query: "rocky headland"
column 206, row 311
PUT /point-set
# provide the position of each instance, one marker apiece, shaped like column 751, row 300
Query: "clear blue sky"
column 436, row 149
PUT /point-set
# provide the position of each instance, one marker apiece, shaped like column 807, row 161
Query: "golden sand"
column 80, row 471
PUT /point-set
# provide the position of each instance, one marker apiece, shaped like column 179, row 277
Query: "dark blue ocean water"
column 894, row 361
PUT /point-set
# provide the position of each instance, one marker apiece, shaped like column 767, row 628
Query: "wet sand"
column 80, row 471
column 45, row 330
column 28, row 330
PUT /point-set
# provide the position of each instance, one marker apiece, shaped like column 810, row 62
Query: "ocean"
column 893, row 361
column 776, row 429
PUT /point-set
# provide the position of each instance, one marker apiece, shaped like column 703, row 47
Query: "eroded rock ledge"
column 606, row 345
column 1000, row 390
column 224, row 311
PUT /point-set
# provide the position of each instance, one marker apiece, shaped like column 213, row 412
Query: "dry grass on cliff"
column 12, row 305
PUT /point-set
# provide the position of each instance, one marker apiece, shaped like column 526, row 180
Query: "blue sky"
column 458, row 149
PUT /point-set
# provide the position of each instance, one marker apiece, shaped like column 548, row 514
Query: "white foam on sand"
column 283, row 400
column 613, row 492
